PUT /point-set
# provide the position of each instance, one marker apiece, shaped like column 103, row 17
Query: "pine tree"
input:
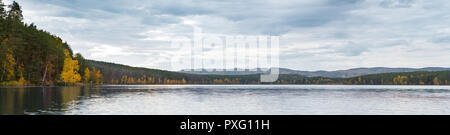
column 2, row 10
column 16, row 11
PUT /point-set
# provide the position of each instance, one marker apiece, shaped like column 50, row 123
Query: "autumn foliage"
column 70, row 73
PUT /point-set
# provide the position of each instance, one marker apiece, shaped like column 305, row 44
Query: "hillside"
column 407, row 78
column 123, row 74
column 331, row 74
column 116, row 71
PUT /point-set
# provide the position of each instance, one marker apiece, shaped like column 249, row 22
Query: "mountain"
column 331, row 74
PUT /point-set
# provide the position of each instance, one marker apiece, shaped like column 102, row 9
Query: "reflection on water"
column 42, row 100
column 231, row 99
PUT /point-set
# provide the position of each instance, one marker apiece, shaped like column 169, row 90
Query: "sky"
column 314, row 34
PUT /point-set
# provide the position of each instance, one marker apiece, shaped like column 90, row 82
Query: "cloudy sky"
column 314, row 34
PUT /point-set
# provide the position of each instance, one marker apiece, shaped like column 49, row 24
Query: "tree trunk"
column 4, row 71
column 45, row 74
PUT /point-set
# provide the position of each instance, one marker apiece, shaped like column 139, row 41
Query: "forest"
column 30, row 56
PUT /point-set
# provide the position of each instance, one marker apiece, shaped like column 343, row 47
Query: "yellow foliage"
column 401, row 80
column 8, row 65
column 70, row 70
column 98, row 77
column 217, row 81
column 436, row 81
column 144, row 81
column 150, row 80
column 130, row 80
column 421, row 83
column 123, row 80
column 22, row 80
column 87, row 75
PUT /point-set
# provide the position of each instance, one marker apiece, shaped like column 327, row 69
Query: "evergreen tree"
column 15, row 11
column 2, row 10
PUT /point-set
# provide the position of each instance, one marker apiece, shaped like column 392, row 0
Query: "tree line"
column 407, row 78
column 122, row 74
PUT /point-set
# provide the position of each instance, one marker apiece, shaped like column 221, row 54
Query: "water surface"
column 226, row 99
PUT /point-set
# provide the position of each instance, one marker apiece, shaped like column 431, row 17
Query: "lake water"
column 226, row 99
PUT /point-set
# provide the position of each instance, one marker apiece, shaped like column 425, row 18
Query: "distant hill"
column 331, row 74
column 123, row 74
column 400, row 78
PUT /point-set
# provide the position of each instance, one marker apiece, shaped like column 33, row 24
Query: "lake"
column 226, row 100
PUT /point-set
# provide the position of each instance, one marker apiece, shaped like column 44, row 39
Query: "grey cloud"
column 393, row 43
column 443, row 39
column 396, row 3
column 352, row 49
column 178, row 8
column 343, row 2
column 258, row 17
column 160, row 20
column 252, row 17
column 364, row 26
column 340, row 35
